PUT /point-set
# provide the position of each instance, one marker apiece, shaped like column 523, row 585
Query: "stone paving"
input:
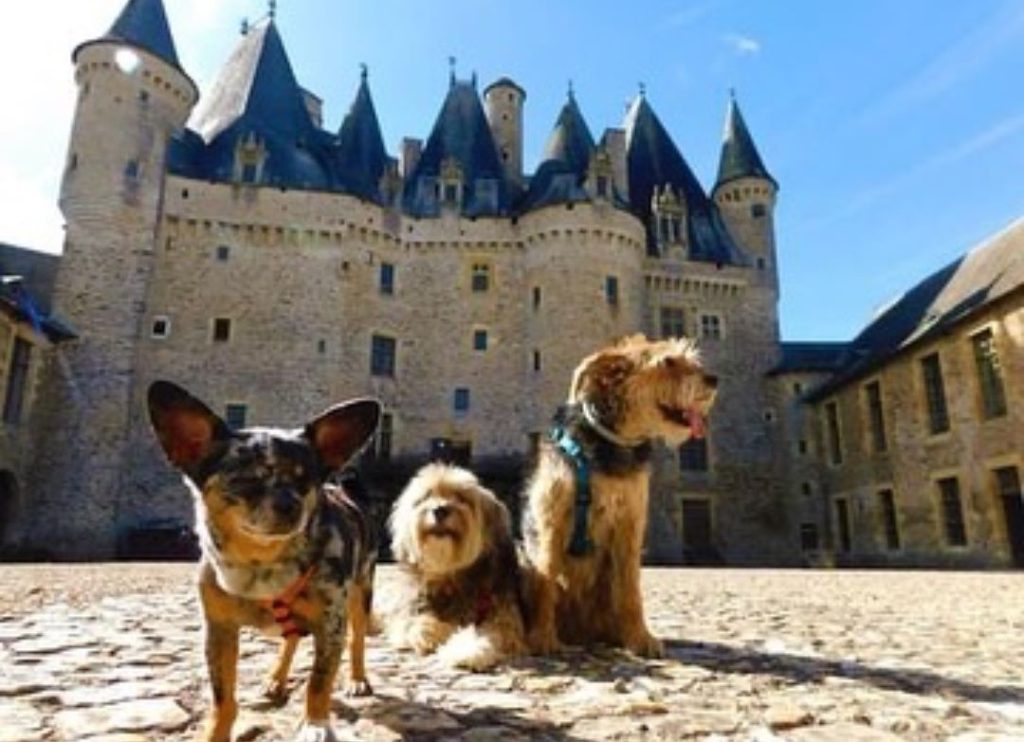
column 110, row 653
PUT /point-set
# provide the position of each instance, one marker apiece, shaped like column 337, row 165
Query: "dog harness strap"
column 580, row 544
column 281, row 606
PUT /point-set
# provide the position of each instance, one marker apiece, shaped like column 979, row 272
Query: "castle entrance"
column 697, row 546
column 1008, row 483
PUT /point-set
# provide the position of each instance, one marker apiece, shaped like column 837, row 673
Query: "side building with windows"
column 920, row 429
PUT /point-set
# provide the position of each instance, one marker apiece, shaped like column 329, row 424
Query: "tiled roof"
column 810, row 357
column 740, row 158
column 143, row 23
column 362, row 158
column 986, row 274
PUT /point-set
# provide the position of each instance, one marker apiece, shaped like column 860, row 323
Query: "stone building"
column 919, row 432
column 233, row 243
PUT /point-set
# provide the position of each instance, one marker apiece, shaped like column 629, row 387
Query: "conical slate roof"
column 560, row 176
column 257, row 97
column 740, row 158
column 143, row 23
column 653, row 160
column 461, row 133
column 362, row 157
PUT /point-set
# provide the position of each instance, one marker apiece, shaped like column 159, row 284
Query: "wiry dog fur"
column 457, row 592
column 271, row 527
column 638, row 390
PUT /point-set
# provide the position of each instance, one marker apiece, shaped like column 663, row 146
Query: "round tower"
column 504, row 100
column 132, row 96
column 745, row 195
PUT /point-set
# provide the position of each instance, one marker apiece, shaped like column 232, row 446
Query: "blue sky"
column 895, row 128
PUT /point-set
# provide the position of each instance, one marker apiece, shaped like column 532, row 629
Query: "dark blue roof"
column 803, row 357
column 362, row 158
column 947, row 297
column 143, row 23
column 256, row 97
column 462, row 134
column 560, row 177
column 652, row 159
column 740, row 158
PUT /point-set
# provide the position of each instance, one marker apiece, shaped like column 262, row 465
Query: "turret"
column 745, row 194
column 132, row 96
column 504, row 103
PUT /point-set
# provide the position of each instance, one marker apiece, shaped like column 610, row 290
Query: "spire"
column 740, row 158
column 362, row 157
column 570, row 141
column 462, row 135
column 654, row 161
column 143, row 23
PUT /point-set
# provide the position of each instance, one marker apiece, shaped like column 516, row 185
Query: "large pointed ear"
column 339, row 433
column 187, row 429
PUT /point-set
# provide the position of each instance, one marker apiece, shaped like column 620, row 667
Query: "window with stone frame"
column 711, row 327
column 890, row 524
column 876, row 416
column 673, row 322
column 934, row 394
column 382, row 356
column 387, row 279
column 990, row 375
column 221, row 330
column 480, row 277
column 611, row 290
column 235, row 414
column 833, row 434
column 17, row 380
column 952, row 512
column 460, row 402
column 480, row 340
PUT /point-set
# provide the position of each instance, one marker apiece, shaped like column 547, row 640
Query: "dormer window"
column 599, row 175
column 667, row 211
column 450, row 184
column 250, row 155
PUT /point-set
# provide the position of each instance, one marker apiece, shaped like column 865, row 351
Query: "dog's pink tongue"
column 697, row 429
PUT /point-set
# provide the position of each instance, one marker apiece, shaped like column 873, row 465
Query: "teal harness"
column 580, row 545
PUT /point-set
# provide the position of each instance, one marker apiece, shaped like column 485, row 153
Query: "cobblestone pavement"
column 111, row 653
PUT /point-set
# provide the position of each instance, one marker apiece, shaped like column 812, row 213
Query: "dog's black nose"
column 711, row 380
column 286, row 504
column 441, row 512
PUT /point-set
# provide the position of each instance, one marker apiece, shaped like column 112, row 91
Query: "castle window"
column 249, row 172
column 144, row 96
column 602, row 186
column 451, row 194
column 461, row 400
column 801, row 447
column 321, row 346
column 221, row 330
column 805, row 489
column 223, row 251
column 693, row 455
column 808, row 537
column 17, row 380
column 876, row 416
column 73, row 161
column 711, row 327
column 382, row 356
column 835, row 448
column 234, row 416
column 761, row 264
column 481, row 277
column 673, row 324
column 843, row 525
column 611, row 290
column 536, row 297
column 480, row 340
column 536, row 360
column 990, row 375
column 387, row 279
column 131, row 170
column 161, row 327
column 758, row 210
column 935, row 394
column 887, row 509
column 952, row 512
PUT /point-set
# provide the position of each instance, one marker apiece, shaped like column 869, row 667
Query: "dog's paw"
column 470, row 650
column 356, row 688
column 645, row 645
column 275, row 691
column 315, row 731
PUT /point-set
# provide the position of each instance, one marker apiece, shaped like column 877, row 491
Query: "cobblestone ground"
column 111, row 653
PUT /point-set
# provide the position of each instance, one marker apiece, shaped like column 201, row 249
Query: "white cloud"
column 742, row 45
column 688, row 15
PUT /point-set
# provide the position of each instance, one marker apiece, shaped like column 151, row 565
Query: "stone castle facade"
column 232, row 244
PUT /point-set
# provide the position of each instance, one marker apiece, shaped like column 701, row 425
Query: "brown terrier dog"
column 457, row 591
column 586, row 509
column 282, row 550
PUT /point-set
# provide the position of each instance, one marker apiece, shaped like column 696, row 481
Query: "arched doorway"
column 8, row 506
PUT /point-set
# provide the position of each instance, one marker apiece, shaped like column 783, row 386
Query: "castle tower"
column 745, row 195
column 504, row 102
column 132, row 97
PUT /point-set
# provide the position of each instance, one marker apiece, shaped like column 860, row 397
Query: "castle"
column 233, row 244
